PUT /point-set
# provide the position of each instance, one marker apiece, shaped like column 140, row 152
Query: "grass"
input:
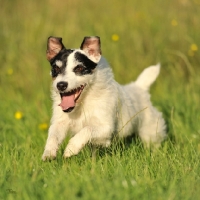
column 147, row 33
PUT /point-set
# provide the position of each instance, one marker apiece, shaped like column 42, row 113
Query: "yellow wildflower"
column 43, row 126
column 115, row 37
column 194, row 47
column 18, row 115
column 10, row 71
column 174, row 22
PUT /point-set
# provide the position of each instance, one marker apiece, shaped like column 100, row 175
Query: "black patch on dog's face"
column 61, row 57
column 86, row 67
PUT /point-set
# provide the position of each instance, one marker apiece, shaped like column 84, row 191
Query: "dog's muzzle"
column 69, row 99
column 62, row 86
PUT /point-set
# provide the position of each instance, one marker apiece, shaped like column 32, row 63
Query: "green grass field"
column 134, row 35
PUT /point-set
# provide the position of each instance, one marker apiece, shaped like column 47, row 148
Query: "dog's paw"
column 70, row 151
column 49, row 155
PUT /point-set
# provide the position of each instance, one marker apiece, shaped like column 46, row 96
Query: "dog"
column 92, row 106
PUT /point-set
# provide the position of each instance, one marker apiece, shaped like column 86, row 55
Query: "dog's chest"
column 77, row 123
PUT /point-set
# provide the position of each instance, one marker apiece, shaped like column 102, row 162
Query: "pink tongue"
column 67, row 102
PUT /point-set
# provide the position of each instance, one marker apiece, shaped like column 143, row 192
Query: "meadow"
column 134, row 34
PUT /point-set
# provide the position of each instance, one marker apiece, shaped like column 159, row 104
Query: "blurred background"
column 134, row 34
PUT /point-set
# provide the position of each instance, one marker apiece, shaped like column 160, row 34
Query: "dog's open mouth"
column 68, row 99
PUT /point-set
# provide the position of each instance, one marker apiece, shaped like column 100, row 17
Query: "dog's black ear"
column 54, row 46
column 92, row 47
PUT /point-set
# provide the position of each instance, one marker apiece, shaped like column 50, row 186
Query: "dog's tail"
column 148, row 76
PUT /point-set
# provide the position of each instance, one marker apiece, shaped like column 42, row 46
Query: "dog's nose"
column 62, row 85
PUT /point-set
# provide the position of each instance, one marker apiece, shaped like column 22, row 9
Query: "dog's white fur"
column 104, row 109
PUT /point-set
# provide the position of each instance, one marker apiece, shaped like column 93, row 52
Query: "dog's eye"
column 78, row 68
column 55, row 71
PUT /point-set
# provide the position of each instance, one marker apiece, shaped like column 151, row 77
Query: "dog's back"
column 133, row 111
column 127, row 109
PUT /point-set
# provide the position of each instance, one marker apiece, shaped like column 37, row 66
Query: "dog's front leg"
column 77, row 142
column 56, row 135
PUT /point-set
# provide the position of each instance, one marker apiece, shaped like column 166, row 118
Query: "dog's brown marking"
column 92, row 45
column 54, row 46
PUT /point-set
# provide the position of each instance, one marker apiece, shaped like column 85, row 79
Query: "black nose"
column 62, row 85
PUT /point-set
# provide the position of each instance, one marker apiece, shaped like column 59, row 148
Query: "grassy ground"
column 134, row 34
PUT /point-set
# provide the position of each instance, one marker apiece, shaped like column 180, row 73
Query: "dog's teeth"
column 74, row 91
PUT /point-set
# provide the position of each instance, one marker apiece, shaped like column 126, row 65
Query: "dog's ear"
column 54, row 46
column 92, row 47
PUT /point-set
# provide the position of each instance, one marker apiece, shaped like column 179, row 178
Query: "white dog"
column 92, row 106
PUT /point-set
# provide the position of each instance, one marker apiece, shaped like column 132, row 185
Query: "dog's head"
column 72, row 70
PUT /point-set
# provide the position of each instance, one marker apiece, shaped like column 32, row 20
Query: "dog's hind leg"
column 153, row 131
